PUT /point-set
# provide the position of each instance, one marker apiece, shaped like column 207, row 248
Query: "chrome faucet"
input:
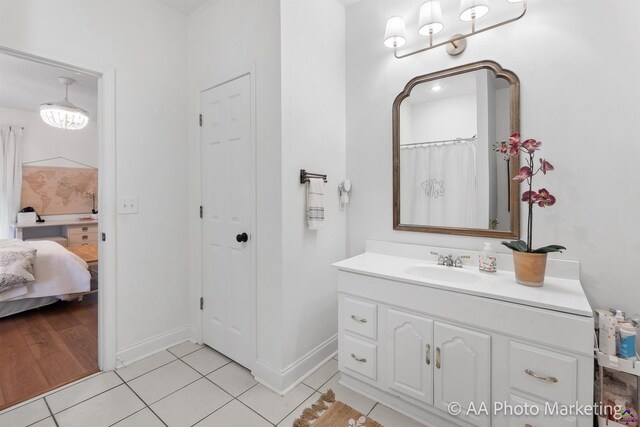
column 449, row 260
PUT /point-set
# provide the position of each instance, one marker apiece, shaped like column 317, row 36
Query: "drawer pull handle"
column 438, row 357
column 358, row 319
column 85, row 237
column 536, row 376
column 427, row 350
column 85, row 228
column 358, row 359
column 528, row 425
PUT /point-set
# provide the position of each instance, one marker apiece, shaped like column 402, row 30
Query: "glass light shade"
column 394, row 34
column 64, row 115
column 473, row 9
column 430, row 18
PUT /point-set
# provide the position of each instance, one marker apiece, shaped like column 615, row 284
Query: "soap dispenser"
column 487, row 260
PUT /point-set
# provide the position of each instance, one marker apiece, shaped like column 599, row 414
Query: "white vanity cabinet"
column 409, row 366
column 423, row 348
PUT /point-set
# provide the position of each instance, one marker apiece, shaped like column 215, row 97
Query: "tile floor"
column 187, row 385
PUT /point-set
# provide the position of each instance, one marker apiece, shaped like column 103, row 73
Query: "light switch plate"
column 127, row 205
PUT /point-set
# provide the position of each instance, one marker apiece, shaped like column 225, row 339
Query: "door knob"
column 242, row 238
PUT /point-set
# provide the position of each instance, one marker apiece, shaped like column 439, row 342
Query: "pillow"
column 16, row 265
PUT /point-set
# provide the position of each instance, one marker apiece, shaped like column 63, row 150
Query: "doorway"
column 102, row 327
column 228, row 219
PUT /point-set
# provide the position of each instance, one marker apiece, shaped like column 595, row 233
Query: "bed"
column 59, row 275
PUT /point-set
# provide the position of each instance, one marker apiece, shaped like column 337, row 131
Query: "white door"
column 462, row 371
column 410, row 355
column 227, row 201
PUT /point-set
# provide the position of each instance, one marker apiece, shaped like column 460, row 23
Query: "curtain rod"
column 444, row 141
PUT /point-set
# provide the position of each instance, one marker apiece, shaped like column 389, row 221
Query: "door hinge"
column 201, row 211
column 104, row 237
column 201, row 303
column 200, row 119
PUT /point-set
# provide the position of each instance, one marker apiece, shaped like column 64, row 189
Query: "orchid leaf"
column 550, row 248
column 516, row 245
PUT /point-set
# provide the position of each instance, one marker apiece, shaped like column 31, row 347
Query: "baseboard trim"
column 282, row 381
column 153, row 345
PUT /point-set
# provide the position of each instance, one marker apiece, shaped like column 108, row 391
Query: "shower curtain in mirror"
column 10, row 178
column 438, row 184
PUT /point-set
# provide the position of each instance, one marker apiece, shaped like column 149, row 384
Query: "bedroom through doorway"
column 49, row 227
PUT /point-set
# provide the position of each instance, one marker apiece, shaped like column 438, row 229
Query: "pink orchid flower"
column 531, row 145
column 545, row 166
column 514, row 138
column 529, row 196
column 524, row 173
column 544, row 198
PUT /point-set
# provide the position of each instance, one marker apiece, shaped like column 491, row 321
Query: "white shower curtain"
column 438, row 184
column 10, row 178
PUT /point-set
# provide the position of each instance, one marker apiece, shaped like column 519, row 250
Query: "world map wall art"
column 59, row 190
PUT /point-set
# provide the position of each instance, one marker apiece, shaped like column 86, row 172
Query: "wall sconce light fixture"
column 430, row 22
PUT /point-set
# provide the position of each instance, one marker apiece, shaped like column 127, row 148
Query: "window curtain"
column 10, row 178
column 438, row 184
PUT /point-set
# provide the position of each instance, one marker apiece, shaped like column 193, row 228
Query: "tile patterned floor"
column 187, row 385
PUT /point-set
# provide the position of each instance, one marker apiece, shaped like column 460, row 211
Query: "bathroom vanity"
column 424, row 338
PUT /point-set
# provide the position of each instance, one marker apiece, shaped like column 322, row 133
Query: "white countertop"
column 559, row 294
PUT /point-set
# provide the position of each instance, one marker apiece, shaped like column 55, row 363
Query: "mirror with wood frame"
column 447, row 176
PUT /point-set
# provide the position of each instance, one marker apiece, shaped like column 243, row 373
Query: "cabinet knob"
column 438, row 357
column 242, row 238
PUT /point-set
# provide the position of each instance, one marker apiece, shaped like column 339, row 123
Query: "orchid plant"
column 542, row 197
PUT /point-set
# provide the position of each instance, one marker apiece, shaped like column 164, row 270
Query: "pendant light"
column 63, row 114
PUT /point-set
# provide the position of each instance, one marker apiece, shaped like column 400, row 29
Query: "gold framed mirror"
column 447, row 176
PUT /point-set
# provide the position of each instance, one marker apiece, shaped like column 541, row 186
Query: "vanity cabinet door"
column 410, row 355
column 462, row 371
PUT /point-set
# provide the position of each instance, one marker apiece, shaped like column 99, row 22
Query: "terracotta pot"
column 529, row 268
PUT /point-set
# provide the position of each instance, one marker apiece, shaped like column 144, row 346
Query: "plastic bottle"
column 627, row 341
column 487, row 260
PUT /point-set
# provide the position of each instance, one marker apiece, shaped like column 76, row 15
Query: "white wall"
column 313, row 138
column 577, row 97
column 146, row 44
column 41, row 141
column 227, row 39
column 434, row 121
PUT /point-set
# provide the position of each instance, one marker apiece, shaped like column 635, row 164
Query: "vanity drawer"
column 359, row 356
column 83, row 238
column 82, row 229
column 528, row 419
column 359, row 317
column 546, row 374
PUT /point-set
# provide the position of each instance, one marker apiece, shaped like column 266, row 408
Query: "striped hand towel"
column 315, row 203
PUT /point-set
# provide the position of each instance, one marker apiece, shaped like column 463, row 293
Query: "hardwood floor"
column 46, row 348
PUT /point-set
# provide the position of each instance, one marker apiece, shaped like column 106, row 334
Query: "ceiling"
column 24, row 85
column 184, row 6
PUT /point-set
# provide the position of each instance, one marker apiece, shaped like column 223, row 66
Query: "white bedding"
column 58, row 273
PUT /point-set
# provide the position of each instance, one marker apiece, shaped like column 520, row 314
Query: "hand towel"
column 315, row 203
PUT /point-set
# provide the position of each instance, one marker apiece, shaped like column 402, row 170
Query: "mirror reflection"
column 450, row 174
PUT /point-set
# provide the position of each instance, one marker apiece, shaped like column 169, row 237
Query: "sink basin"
column 445, row 274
